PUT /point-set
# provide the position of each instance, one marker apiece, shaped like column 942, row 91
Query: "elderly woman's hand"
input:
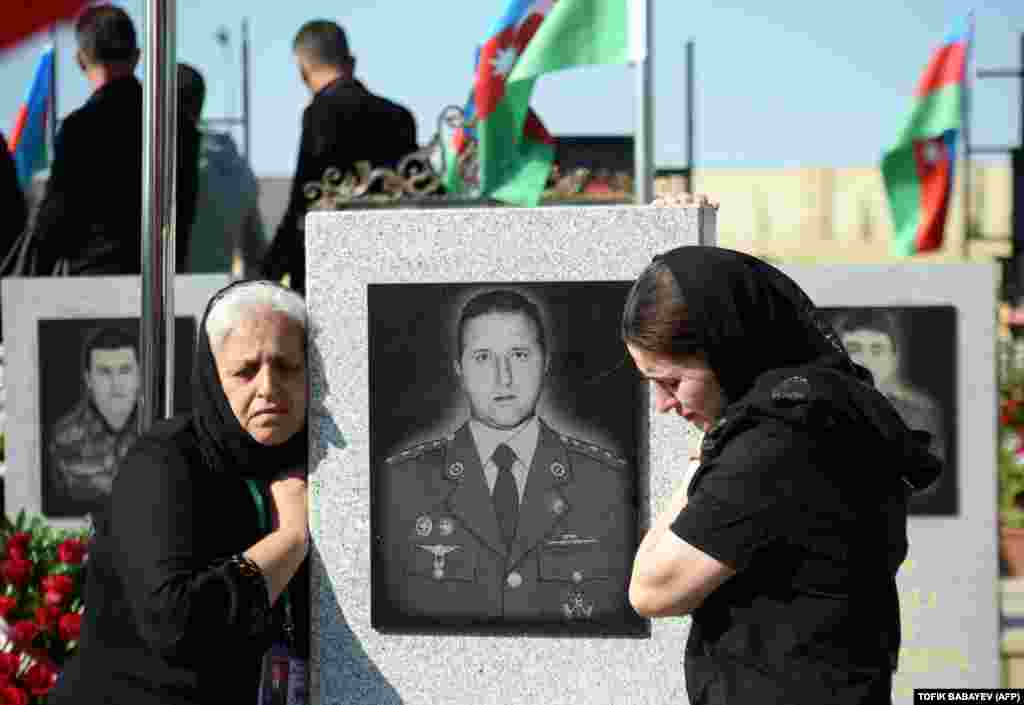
column 288, row 492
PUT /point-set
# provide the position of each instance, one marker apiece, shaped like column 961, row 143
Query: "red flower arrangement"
column 40, row 605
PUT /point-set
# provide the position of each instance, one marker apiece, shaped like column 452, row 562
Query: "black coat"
column 91, row 213
column 167, row 621
column 13, row 209
column 343, row 125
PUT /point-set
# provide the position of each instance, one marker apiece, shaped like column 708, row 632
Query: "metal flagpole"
column 159, row 141
column 643, row 137
column 690, row 116
column 965, row 121
column 246, row 115
column 53, row 91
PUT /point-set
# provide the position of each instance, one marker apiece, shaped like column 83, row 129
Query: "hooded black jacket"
column 802, row 489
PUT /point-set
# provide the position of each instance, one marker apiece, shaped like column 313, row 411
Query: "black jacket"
column 343, row 125
column 802, row 489
column 91, row 213
column 13, row 209
column 167, row 621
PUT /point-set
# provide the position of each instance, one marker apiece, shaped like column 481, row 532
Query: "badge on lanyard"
column 282, row 677
column 282, row 673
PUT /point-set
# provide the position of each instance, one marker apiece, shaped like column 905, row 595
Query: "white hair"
column 234, row 306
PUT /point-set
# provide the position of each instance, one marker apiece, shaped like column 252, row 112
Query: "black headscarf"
column 225, row 445
column 749, row 318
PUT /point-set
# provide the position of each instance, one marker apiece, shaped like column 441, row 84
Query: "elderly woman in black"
column 785, row 543
column 206, row 537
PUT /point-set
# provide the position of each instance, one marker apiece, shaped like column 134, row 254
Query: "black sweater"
column 166, row 621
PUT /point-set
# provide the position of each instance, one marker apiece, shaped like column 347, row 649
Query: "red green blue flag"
column 514, row 152
column 918, row 170
column 28, row 138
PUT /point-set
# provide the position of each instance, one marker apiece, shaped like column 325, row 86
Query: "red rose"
column 16, row 571
column 17, row 545
column 53, row 598
column 9, row 662
column 70, row 626
column 6, row 605
column 46, row 617
column 71, row 551
column 39, row 679
column 62, row 584
column 13, row 695
column 23, row 632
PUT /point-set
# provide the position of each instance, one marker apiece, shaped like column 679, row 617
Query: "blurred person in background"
column 227, row 234
column 344, row 124
column 91, row 212
column 13, row 207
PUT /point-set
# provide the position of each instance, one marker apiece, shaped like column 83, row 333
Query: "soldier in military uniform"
column 872, row 339
column 88, row 442
column 505, row 519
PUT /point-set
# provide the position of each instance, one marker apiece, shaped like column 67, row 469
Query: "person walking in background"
column 91, row 212
column 344, row 124
column 13, row 207
column 228, row 233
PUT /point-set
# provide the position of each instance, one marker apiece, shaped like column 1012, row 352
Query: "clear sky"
column 778, row 83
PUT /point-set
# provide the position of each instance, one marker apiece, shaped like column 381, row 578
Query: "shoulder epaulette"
column 594, row 451
column 416, row 451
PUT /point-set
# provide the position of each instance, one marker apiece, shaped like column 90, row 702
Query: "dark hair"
column 107, row 339
column 323, row 42
column 191, row 90
column 500, row 301
column 656, row 317
column 105, row 35
column 875, row 319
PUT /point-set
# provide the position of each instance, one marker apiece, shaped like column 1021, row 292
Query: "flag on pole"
column 918, row 170
column 28, row 138
column 513, row 149
column 23, row 19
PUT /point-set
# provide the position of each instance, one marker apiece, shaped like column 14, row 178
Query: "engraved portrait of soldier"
column 87, row 433
column 910, row 353
column 515, row 507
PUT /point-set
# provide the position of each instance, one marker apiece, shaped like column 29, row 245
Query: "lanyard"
column 261, row 509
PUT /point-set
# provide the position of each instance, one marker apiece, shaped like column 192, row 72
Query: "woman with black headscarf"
column 199, row 565
column 785, row 543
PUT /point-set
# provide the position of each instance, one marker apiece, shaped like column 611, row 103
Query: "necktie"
column 506, row 495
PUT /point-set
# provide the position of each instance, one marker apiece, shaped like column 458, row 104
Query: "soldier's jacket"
column 440, row 550
column 84, row 454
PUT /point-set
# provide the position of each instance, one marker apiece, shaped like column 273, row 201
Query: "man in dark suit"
column 13, row 208
column 91, row 213
column 343, row 125
column 506, row 519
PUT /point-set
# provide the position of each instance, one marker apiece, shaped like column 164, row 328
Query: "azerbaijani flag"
column 918, row 170
column 513, row 150
column 28, row 138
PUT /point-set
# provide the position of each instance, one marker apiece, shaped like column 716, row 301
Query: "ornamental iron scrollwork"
column 418, row 175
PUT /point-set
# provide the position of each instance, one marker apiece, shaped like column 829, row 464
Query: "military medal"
column 424, row 526
column 558, row 470
column 439, row 551
column 576, row 606
column 446, row 526
column 455, row 471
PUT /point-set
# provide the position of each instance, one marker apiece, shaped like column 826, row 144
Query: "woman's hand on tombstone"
column 685, row 200
column 289, row 495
